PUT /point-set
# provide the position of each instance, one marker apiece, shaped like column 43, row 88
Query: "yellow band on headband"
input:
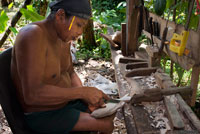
column 71, row 23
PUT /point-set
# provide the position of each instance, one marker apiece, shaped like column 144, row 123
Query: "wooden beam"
column 123, row 45
column 182, row 132
column 141, row 72
column 122, row 87
column 132, row 29
column 173, row 115
column 130, row 60
column 136, row 65
column 143, row 121
column 188, row 112
column 152, row 95
column 194, row 84
column 129, row 122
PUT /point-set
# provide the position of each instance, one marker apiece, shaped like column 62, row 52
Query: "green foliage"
column 111, row 15
column 169, row 3
column 159, row 6
column 101, row 51
column 3, row 21
column 31, row 14
column 14, row 30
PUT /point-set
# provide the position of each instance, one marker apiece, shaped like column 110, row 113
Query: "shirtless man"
column 50, row 92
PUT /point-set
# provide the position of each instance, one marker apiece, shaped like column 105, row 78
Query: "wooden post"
column 123, row 45
column 132, row 28
column 194, row 83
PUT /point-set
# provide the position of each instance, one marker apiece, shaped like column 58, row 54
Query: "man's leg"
column 87, row 123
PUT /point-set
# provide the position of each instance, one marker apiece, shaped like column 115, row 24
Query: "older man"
column 50, row 92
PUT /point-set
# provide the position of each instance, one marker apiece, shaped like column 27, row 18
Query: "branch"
column 13, row 22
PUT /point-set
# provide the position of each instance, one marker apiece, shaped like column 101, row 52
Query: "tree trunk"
column 88, row 34
column 43, row 7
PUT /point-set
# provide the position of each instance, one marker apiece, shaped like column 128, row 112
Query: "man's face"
column 76, row 28
column 63, row 24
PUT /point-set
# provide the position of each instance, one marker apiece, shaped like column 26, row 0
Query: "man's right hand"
column 95, row 98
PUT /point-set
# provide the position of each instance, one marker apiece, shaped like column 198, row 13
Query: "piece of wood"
column 132, row 29
column 136, row 65
column 129, row 122
column 182, row 132
column 173, row 114
column 152, row 51
column 188, row 112
column 194, row 84
column 123, row 45
column 141, row 72
column 130, row 60
column 141, row 55
column 185, row 62
column 143, row 121
column 13, row 22
column 109, row 39
column 122, row 87
column 169, row 91
column 157, row 94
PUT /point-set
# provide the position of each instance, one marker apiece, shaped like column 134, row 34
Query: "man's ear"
column 60, row 15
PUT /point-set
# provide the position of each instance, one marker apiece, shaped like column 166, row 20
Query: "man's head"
column 70, row 17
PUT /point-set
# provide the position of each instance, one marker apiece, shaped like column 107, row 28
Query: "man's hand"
column 95, row 98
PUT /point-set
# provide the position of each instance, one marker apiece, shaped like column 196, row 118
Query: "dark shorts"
column 60, row 121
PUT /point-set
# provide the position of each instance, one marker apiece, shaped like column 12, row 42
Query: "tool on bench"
column 178, row 41
column 164, row 35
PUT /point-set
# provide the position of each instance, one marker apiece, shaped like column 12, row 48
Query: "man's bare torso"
column 57, row 68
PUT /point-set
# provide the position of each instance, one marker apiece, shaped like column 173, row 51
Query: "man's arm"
column 75, row 80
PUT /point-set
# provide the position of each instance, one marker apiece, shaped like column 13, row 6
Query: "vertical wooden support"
column 132, row 28
column 194, row 83
column 123, row 45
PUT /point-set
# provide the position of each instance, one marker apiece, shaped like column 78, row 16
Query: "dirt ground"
column 85, row 70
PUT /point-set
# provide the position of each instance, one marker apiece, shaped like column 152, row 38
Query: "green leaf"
column 31, row 15
column 14, row 30
column 3, row 21
column 169, row 3
column 10, row 5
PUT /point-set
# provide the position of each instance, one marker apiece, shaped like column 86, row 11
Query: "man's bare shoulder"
column 30, row 32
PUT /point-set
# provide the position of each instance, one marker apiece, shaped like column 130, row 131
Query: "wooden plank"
column 194, row 84
column 193, row 39
column 188, row 112
column 132, row 29
column 141, row 72
column 122, row 87
column 123, row 45
column 173, row 114
column 130, row 60
column 143, row 121
column 185, row 62
column 129, row 122
column 136, row 65
column 182, row 132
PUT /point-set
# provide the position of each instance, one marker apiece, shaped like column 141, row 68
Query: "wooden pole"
column 132, row 28
column 194, row 83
